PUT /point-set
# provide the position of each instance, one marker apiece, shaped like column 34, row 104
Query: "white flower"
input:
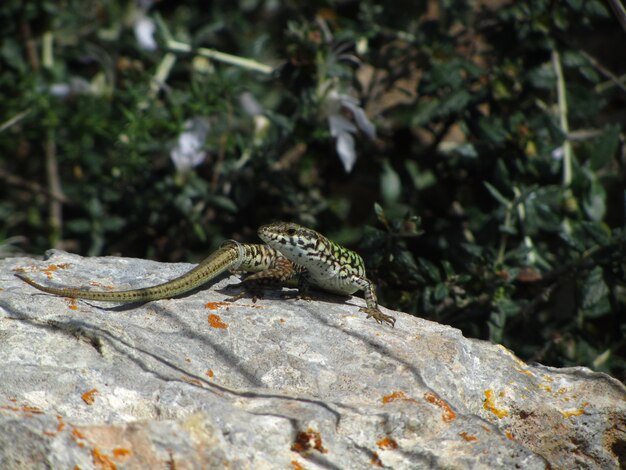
column 343, row 129
column 144, row 33
column 188, row 151
column 558, row 153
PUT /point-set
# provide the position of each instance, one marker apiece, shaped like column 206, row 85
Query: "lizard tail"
column 228, row 256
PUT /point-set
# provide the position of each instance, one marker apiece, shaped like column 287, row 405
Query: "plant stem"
column 54, row 184
column 177, row 46
column 562, row 103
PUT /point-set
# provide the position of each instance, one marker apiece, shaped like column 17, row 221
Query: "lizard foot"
column 247, row 293
column 291, row 295
column 304, row 297
column 379, row 316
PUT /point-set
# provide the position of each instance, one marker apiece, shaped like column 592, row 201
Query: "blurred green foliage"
column 491, row 198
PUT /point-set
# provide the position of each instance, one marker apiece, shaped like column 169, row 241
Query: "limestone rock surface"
column 195, row 382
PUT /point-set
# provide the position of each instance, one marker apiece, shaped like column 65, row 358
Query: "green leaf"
column 596, row 8
column 605, row 148
column 454, row 103
column 466, row 150
column 496, row 323
column 426, row 112
column 508, row 307
column 474, row 250
column 542, row 77
column 225, row 203
column 497, row 194
column 405, row 262
column 448, row 268
column 199, row 231
column 431, row 270
column 492, row 129
column 572, row 241
column 422, row 178
column 595, row 298
column 441, row 292
column 576, row 5
column 595, row 202
column 113, row 223
column 380, row 214
column 390, row 184
column 77, row 226
column 598, row 234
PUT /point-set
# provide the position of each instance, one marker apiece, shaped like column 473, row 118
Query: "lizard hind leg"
column 282, row 273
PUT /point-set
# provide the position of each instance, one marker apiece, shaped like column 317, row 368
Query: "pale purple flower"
column 188, row 152
column 343, row 129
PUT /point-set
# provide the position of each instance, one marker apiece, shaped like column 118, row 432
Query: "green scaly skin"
column 324, row 264
column 293, row 255
column 232, row 255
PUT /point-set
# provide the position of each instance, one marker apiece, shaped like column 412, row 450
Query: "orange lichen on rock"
column 575, row 412
column 216, row 305
column 296, row 465
column 468, row 437
column 101, row 461
column 387, row 443
column 448, row 413
column 395, row 396
column 121, row 452
column 490, row 406
column 61, row 423
column 78, row 437
column 216, row 322
column 308, row 440
column 376, row 460
column 51, row 268
column 210, row 373
column 60, row 427
column 27, row 409
column 89, row 397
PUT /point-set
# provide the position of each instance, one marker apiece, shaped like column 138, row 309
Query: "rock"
column 195, row 382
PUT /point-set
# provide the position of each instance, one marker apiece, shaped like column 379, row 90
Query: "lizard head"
column 293, row 240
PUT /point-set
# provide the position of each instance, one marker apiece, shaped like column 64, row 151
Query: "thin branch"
column 14, row 120
column 619, row 11
column 617, row 81
column 31, row 186
column 30, row 45
column 163, row 71
column 177, row 46
column 54, row 183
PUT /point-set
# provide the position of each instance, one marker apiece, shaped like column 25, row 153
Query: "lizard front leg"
column 304, row 284
column 369, row 293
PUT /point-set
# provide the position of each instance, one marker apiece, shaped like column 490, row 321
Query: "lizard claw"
column 235, row 298
column 254, row 295
column 379, row 316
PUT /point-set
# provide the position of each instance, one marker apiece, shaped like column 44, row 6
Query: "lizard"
column 292, row 255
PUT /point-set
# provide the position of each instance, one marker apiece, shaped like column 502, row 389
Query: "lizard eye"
column 291, row 231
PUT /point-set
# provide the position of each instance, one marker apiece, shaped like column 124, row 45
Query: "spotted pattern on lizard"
column 293, row 255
